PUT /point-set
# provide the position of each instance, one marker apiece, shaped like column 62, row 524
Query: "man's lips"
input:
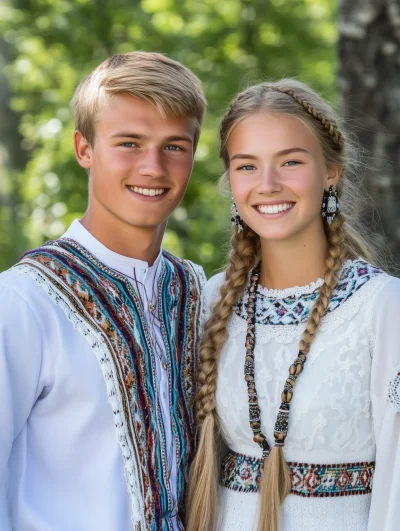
column 147, row 194
column 147, row 191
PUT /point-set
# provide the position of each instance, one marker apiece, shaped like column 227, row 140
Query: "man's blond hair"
column 169, row 85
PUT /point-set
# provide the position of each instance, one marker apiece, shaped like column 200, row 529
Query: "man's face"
column 139, row 164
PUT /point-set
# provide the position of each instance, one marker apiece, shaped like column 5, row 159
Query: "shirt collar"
column 122, row 264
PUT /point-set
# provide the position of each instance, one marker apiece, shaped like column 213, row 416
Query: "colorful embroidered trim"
column 295, row 309
column 109, row 311
column 242, row 473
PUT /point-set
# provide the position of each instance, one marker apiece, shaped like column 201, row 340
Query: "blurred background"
column 348, row 50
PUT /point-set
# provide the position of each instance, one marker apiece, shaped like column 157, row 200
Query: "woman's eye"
column 173, row 147
column 247, row 167
column 292, row 163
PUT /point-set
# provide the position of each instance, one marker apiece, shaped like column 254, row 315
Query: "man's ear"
column 83, row 150
column 332, row 176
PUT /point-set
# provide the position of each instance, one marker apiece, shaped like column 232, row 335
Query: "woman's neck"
column 297, row 262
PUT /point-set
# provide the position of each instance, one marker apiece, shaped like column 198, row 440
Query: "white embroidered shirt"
column 346, row 402
column 61, row 466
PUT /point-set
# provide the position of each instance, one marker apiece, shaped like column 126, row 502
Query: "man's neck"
column 141, row 243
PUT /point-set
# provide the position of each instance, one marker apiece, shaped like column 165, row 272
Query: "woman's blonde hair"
column 345, row 241
column 169, row 85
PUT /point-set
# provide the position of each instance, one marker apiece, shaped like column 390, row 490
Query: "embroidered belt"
column 242, row 473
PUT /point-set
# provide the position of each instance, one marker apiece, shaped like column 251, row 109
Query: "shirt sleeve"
column 20, row 363
column 385, row 397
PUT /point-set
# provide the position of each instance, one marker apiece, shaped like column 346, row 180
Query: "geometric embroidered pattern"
column 107, row 310
column 294, row 309
column 243, row 473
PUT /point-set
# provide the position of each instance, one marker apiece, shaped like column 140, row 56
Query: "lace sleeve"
column 394, row 391
column 385, row 338
column 385, row 398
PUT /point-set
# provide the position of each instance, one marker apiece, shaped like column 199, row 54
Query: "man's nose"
column 151, row 164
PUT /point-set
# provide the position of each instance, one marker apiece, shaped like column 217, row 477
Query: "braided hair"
column 291, row 98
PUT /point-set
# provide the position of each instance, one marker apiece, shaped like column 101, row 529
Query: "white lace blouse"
column 346, row 402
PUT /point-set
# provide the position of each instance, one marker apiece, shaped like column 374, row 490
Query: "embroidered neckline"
column 297, row 291
column 293, row 305
column 294, row 291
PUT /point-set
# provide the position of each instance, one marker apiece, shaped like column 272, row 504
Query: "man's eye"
column 173, row 147
column 128, row 144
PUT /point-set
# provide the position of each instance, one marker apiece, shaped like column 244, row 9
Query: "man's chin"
column 147, row 224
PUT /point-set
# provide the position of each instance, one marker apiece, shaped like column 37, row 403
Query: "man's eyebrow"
column 137, row 136
column 178, row 138
column 128, row 135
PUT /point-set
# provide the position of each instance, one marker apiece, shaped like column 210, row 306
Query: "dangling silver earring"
column 330, row 205
column 235, row 218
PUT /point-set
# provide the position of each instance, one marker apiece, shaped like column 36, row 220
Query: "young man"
column 99, row 329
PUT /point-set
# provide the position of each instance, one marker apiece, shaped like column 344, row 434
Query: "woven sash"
column 243, row 473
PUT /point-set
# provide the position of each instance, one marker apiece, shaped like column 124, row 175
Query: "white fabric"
column 61, row 466
column 344, row 407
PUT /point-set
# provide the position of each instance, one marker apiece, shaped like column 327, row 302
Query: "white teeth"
column 274, row 209
column 147, row 191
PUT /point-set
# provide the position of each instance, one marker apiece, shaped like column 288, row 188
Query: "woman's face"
column 278, row 175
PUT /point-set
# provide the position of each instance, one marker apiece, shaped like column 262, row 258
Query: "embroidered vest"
column 104, row 307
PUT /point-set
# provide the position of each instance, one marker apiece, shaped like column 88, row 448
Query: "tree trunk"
column 369, row 85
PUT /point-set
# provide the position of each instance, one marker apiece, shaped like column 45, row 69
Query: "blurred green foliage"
column 47, row 46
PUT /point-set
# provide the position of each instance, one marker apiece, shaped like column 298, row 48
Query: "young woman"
column 300, row 360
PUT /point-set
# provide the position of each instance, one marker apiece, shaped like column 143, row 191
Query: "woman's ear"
column 332, row 176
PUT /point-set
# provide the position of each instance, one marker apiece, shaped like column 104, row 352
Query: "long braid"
column 275, row 483
column 204, row 471
column 242, row 258
column 335, row 259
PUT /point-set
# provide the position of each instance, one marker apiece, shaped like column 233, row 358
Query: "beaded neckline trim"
column 284, row 309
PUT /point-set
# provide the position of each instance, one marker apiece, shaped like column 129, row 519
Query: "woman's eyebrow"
column 279, row 153
column 243, row 156
column 291, row 150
